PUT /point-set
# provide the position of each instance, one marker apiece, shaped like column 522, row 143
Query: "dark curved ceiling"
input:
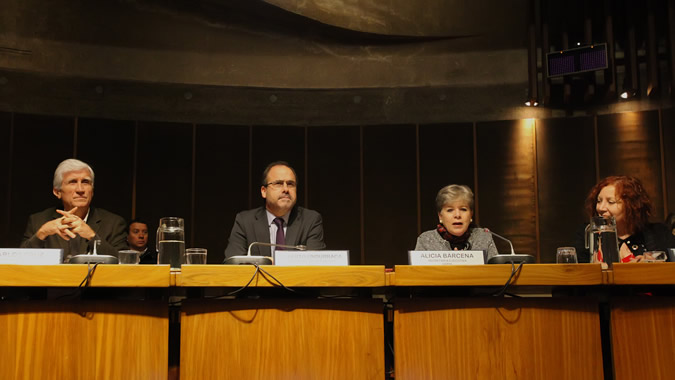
column 487, row 24
column 269, row 43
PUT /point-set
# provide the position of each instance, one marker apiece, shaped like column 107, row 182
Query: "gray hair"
column 70, row 165
column 452, row 193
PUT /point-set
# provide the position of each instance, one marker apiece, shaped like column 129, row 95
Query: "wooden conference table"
column 486, row 337
column 70, row 337
column 536, row 336
column 451, row 335
column 643, row 325
column 282, row 338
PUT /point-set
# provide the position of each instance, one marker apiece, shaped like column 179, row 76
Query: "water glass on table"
column 566, row 255
column 195, row 255
column 171, row 241
column 128, row 256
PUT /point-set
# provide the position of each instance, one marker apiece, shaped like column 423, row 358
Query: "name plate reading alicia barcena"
column 311, row 258
column 446, row 258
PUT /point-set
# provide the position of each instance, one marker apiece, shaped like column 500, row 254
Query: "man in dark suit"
column 138, row 241
column 280, row 221
column 77, row 226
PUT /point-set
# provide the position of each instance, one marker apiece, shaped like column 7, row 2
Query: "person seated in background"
column 670, row 221
column 78, row 225
column 279, row 221
column 625, row 199
column 137, row 239
column 455, row 229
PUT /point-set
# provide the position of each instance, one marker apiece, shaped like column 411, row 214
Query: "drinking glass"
column 566, row 255
column 196, row 255
column 128, row 256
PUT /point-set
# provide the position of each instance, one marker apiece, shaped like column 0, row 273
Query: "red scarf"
column 460, row 243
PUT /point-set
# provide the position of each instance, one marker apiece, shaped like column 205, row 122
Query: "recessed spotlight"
column 630, row 93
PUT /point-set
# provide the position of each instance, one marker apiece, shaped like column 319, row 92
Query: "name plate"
column 311, row 258
column 31, row 256
column 446, row 258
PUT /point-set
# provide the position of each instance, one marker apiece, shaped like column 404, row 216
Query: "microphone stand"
column 93, row 257
column 249, row 259
column 513, row 258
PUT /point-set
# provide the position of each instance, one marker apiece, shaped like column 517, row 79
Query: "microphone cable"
column 86, row 282
column 90, row 273
column 275, row 283
column 514, row 270
column 265, row 274
column 255, row 273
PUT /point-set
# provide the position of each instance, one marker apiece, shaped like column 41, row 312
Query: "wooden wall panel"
column 668, row 127
column 390, row 193
column 164, row 183
column 108, row 146
column 40, row 144
column 506, row 182
column 565, row 174
column 446, row 157
column 334, row 184
column 277, row 143
column 5, row 160
column 221, row 185
column 629, row 144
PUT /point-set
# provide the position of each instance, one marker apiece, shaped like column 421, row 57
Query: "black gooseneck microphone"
column 248, row 259
column 93, row 257
column 513, row 258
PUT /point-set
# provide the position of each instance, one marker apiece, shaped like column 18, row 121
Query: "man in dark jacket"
column 78, row 225
column 280, row 221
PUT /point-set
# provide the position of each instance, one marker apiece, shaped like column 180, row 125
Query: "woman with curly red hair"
column 625, row 199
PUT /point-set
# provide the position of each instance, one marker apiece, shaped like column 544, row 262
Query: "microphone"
column 513, row 258
column 93, row 257
column 248, row 259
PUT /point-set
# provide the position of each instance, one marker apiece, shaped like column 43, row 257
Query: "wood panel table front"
column 497, row 337
column 288, row 338
column 643, row 325
column 304, row 337
column 74, row 338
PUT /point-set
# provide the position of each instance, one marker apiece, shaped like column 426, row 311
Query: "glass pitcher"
column 171, row 241
column 601, row 241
